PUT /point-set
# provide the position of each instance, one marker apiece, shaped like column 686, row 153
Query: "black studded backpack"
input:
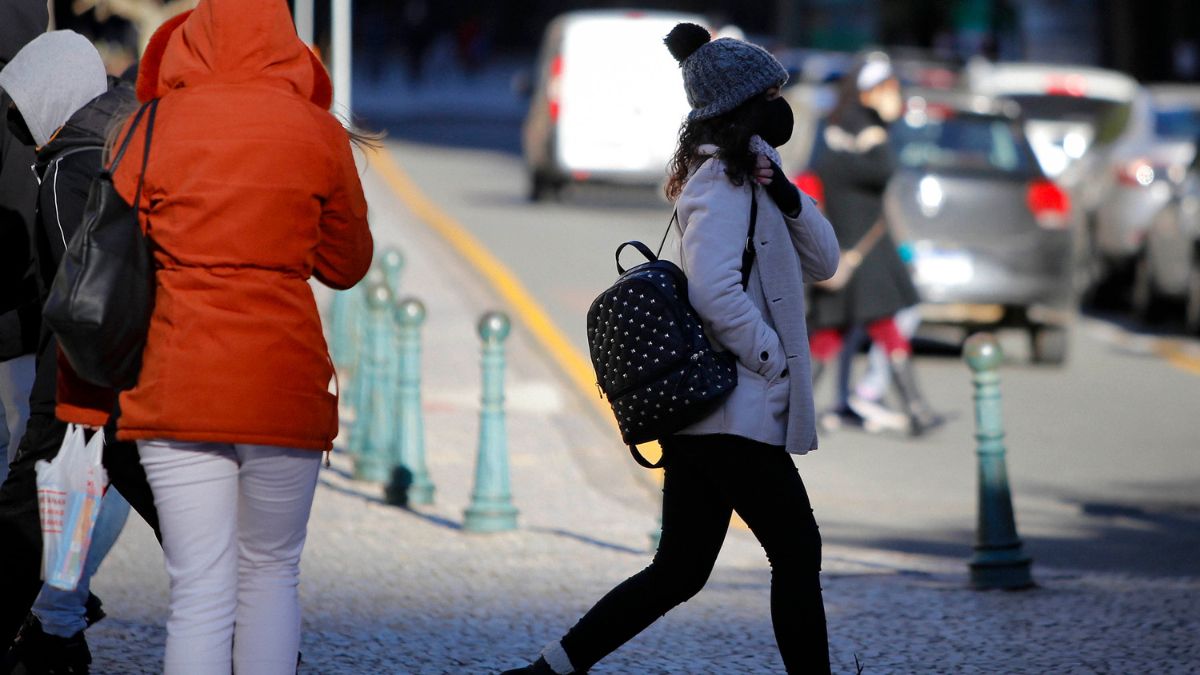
column 653, row 360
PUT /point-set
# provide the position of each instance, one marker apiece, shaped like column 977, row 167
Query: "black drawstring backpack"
column 102, row 296
column 652, row 358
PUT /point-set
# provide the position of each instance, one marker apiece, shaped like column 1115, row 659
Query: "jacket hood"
column 20, row 22
column 93, row 123
column 51, row 78
column 232, row 41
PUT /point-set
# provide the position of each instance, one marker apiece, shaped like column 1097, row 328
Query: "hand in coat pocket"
column 772, row 362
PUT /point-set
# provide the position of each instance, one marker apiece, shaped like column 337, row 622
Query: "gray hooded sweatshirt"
column 51, row 78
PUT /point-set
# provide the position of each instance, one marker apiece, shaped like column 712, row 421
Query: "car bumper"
column 983, row 280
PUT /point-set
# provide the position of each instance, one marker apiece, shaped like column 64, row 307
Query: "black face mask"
column 18, row 128
column 773, row 121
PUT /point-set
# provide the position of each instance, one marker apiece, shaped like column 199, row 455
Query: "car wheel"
column 1144, row 299
column 537, row 186
column 1049, row 344
column 1191, row 310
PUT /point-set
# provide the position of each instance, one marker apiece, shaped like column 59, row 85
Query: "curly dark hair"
column 731, row 134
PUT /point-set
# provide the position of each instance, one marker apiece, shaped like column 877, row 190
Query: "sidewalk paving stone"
column 389, row 590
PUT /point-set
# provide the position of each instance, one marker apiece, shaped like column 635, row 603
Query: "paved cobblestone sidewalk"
column 387, row 590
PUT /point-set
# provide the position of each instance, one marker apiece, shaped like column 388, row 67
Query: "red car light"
column 811, row 185
column 552, row 88
column 1067, row 85
column 1050, row 205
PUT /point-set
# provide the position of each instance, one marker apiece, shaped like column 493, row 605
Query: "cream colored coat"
column 763, row 325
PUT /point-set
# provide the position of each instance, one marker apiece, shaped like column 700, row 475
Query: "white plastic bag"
column 69, row 490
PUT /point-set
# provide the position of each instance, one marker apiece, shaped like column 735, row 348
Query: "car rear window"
column 1108, row 118
column 962, row 142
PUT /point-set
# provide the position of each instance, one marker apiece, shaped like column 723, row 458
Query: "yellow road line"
column 1178, row 357
column 577, row 367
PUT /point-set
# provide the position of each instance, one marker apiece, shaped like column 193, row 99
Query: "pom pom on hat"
column 719, row 75
column 684, row 39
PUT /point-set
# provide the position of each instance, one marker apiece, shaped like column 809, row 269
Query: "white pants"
column 233, row 520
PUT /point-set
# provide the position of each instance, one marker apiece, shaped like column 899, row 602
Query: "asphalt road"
column 1103, row 454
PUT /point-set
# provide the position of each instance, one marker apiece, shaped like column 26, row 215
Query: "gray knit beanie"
column 720, row 75
column 51, row 78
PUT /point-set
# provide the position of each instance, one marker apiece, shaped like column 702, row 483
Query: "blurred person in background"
column 67, row 121
column 20, row 311
column 250, row 190
column 855, row 164
column 738, row 458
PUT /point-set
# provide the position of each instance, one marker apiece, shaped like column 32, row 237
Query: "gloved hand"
column 781, row 190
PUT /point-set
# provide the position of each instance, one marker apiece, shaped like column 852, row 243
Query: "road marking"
column 576, row 366
column 1177, row 352
column 1179, row 356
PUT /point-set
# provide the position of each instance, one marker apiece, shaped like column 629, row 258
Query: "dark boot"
column 36, row 652
column 921, row 416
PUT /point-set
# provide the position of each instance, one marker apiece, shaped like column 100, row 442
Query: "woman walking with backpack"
column 250, row 189
column 738, row 458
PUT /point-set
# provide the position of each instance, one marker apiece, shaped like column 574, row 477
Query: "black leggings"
column 707, row 478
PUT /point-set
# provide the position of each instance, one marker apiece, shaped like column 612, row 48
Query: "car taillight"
column 811, row 185
column 1072, row 84
column 1137, row 173
column 553, row 86
column 1050, row 205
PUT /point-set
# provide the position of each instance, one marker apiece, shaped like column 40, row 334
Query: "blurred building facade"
column 1155, row 40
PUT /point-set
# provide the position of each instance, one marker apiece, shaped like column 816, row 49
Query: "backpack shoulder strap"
column 748, row 251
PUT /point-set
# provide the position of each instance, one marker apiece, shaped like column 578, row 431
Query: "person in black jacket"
column 20, row 315
column 854, row 162
column 68, row 123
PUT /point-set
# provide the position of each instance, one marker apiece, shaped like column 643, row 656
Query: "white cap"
column 875, row 71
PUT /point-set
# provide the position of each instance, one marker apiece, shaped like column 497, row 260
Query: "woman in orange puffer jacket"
column 250, row 189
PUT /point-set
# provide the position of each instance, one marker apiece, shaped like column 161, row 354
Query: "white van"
column 608, row 102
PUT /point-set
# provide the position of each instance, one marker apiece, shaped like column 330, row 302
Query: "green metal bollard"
column 356, row 391
column 342, row 321
column 410, row 479
column 348, row 319
column 392, row 262
column 491, row 508
column 1000, row 560
column 374, row 425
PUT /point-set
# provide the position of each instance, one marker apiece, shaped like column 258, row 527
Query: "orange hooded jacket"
column 250, row 190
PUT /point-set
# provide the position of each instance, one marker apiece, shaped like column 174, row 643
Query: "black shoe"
column 836, row 419
column 539, row 667
column 93, row 610
column 35, row 652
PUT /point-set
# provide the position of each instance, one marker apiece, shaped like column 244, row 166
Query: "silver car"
column 1157, row 200
column 1141, row 172
column 1075, row 118
column 991, row 237
column 1169, row 268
